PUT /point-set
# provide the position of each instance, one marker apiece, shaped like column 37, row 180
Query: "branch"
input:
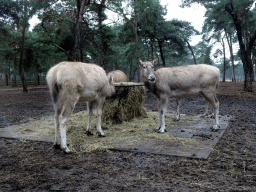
column 52, row 38
column 230, row 8
column 120, row 12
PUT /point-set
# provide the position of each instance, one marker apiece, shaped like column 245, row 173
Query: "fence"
column 29, row 80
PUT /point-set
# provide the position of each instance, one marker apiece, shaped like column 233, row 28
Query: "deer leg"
column 99, row 112
column 206, row 113
column 90, row 113
column 67, row 109
column 211, row 98
column 57, row 133
column 162, row 111
column 178, row 101
column 63, row 121
column 160, row 116
column 206, row 109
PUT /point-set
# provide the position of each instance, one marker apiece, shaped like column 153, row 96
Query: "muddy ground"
column 36, row 166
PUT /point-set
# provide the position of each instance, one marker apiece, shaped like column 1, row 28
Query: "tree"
column 229, row 37
column 246, row 36
column 224, row 59
column 160, row 35
column 215, row 26
column 182, row 33
column 20, row 11
column 203, row 53
column 242, row 16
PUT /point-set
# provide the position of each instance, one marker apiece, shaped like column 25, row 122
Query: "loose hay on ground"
column 140, row 128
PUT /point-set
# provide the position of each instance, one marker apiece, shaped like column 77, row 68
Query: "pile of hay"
column 129, row 132
column 125, row 105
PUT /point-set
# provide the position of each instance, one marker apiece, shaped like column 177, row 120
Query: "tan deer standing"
column 70, row 81
column 181, row 82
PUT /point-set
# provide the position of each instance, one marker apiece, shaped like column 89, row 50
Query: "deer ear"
column 154, row 61
column 111, row 80
column 140, row 62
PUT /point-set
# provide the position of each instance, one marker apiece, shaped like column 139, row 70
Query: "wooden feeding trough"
column 126, row 104
column 127, row 84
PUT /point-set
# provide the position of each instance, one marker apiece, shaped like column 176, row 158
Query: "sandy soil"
column 36, row 166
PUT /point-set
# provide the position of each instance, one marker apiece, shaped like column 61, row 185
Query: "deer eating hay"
column 180, row 82
column 118, row 76
column 70, row 81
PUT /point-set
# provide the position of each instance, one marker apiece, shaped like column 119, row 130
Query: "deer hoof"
column 176, row 119
column 66, row 151
column 101, row 134
column 161, row 131
column 215, row 128
column 89, row 133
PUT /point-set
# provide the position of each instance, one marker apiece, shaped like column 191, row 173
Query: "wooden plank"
column 128, row 84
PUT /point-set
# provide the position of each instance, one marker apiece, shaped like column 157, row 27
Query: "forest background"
column 76, row 30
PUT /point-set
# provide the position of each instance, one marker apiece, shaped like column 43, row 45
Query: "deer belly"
column 184, row 93
column 88, row 96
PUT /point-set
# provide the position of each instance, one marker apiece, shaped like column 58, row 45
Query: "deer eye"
column 144, row 67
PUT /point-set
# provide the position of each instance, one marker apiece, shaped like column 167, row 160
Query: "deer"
column 181, row 82
column 118, row 76
column 70, row 82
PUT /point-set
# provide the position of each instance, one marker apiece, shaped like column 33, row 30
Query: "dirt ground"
column 36, row 166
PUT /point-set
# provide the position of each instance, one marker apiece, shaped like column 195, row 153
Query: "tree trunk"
column 79, row 16
column 6, row 80
column 232, row 62
column 81, row 55
column 192, row 52
column 130, row 73
column 245, row 50
column 7, row 73
column 248, row 71
column 134, row 73
column 161, row 51
column 14, row 82
column 100, row 43
column 21, row 73
column 229, row 40
column 152, row 49
column 136, row 40
column 224, row 62
column 36, row 76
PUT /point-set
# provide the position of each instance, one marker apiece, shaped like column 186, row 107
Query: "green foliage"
column 238, row 16
column 52, row 40
column 203, row 53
